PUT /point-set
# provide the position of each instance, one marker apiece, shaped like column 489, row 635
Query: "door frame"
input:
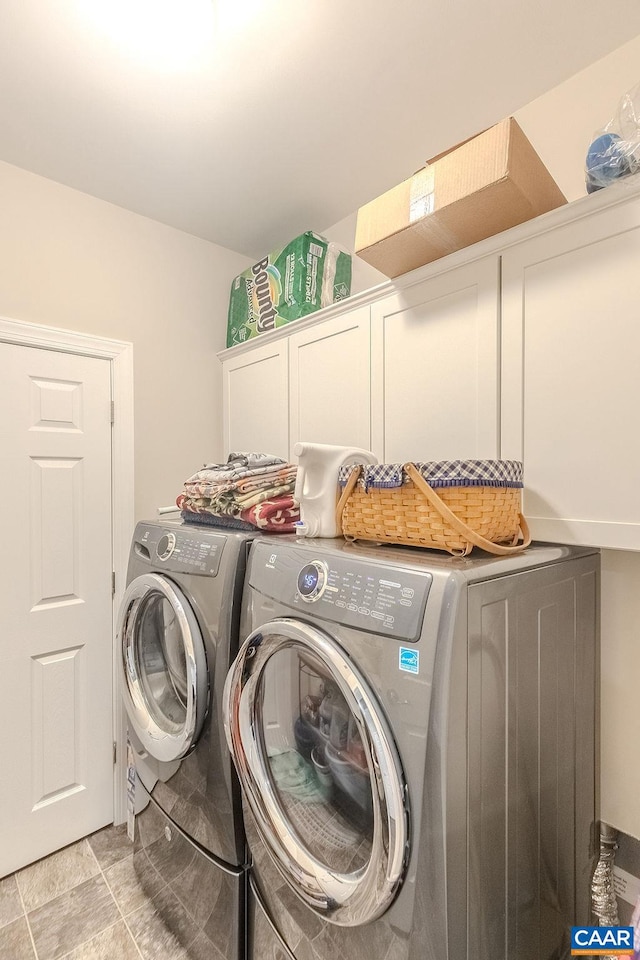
column 120, row 355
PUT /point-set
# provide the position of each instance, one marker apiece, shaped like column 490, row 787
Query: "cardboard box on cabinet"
column 477, row 189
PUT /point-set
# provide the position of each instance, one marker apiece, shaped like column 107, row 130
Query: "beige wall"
column 68, row 260
column 620, row 675
column 562, row 122
column 560, row 125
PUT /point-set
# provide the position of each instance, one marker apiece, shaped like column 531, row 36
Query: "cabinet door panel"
column 571, row 359
column 435, row 367
column 330, row 381
column 255, row 401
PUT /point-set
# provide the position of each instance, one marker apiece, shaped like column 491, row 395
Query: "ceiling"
column 249, row 122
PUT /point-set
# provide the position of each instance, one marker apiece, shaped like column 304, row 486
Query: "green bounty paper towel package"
column 309, row 273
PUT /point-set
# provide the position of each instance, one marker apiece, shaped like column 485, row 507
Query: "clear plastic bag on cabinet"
column 615, row 149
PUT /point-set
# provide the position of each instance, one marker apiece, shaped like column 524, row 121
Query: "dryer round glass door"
column 319, row 770
column 164, row 664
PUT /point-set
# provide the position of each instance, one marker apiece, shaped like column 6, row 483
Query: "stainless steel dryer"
column 415, row 738
column 178, row 631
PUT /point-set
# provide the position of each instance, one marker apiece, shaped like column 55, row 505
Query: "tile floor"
column 84, row 902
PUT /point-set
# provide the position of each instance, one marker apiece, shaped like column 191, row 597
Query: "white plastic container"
column 317, row 485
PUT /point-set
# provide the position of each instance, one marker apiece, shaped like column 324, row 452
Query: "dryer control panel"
column 379, row 598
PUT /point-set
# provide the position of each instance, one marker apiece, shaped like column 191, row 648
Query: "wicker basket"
column 455, row 519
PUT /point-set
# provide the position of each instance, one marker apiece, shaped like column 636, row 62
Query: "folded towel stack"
column 250, row 490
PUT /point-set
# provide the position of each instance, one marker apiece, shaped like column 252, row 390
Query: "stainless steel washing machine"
column 415, row 738
column 178, row 633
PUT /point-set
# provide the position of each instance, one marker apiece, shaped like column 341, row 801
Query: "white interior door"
column 56, row 736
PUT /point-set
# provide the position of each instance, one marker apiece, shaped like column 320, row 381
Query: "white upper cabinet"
column 451, row 363
column 329, row 382
column 570, row 374
column 434, row 373
column 256, row 400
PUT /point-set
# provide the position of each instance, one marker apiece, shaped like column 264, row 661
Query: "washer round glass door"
column 165, row 684
column 319, row 770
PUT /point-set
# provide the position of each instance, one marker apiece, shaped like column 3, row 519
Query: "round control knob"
column 312, row 580
column 166, row 546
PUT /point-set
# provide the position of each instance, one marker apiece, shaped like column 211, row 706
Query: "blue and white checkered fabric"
column 440, row 473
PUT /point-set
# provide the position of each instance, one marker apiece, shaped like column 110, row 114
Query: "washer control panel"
column 380, row 598
column 180, row 552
